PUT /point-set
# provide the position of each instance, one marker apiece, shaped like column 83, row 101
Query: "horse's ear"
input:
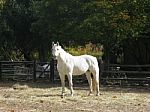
column 52, row 43
column 57, row 43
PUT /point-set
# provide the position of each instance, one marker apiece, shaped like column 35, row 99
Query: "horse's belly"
column 80, row 67
column 79, row 70
column 77, row 67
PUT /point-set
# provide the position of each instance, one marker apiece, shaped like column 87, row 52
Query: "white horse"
column 76, row 65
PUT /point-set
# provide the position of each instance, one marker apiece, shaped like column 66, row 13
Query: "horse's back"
column 90, row 59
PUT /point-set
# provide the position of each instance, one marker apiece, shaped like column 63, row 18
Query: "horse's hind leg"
column 96, row 81
column 95, row 73
column 88, row 75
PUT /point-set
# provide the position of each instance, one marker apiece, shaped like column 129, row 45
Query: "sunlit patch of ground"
column 36, row 97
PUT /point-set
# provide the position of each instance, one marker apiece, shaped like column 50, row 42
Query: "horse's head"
column 56, row 49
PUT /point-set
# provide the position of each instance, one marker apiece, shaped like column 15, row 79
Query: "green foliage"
column 29, row 26
column 90, row 49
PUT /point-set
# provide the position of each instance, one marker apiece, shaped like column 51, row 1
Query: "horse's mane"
column 63, row 51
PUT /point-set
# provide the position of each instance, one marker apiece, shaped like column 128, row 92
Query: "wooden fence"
column 26, row 70
column 110, row 74
column 125, row 74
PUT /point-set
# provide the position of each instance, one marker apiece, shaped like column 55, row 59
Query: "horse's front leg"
column 70, row 83
column 62, row 78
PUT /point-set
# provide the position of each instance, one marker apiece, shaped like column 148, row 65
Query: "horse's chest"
column 63, row 67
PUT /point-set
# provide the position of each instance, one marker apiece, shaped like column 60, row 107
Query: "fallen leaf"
column 41, row 101
column 114, row 96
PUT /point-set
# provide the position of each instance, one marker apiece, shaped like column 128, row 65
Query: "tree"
column 18, row 16
column 6, row 40
column 31, row 25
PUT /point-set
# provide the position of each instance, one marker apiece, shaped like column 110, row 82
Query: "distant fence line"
column 29, row 70
column 109, row 73
column 125, row 74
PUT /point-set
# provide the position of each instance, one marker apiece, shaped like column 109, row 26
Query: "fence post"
column 34, row 71
column 0, row 70
column 52, row 70
column 101, row 68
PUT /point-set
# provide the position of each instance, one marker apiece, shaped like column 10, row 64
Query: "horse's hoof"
column 90, row 94
column 62, row 96
column 97, row 94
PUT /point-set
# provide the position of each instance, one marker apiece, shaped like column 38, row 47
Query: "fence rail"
column 125, row 74
column 109, row 73
column 26, row 70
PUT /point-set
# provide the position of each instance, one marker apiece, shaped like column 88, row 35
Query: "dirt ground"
column 44, row 97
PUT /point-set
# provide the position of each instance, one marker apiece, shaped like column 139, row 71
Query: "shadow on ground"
column 77, row 86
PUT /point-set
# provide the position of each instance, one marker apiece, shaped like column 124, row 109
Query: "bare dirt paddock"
column 43, row 97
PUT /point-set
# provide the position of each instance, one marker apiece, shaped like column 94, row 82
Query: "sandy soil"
column 43, row 97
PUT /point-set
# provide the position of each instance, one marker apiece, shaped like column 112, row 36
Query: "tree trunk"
column 42, row 53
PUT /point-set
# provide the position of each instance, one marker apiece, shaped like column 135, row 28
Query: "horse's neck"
column 64, row 56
